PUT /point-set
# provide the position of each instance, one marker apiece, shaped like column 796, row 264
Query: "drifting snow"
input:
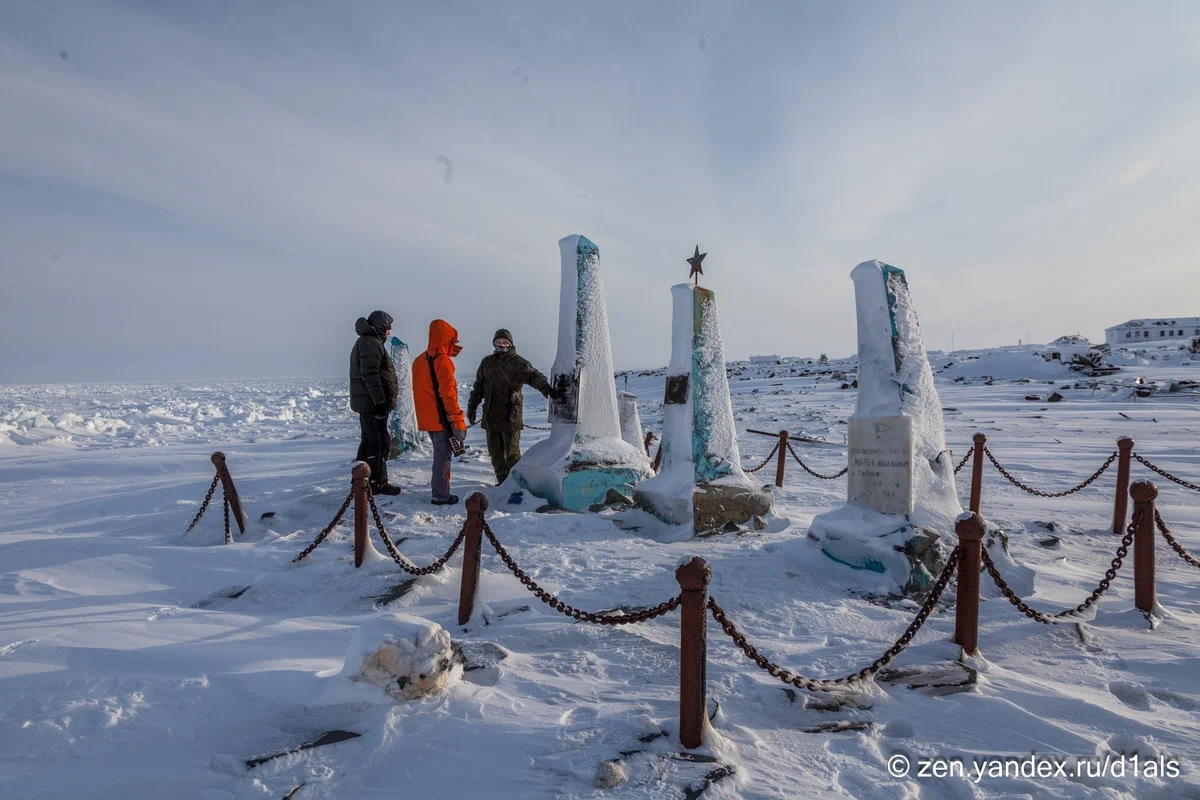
column 139, row 662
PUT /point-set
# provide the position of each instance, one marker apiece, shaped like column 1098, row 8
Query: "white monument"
column 584, row 456
column 631, row 421
column 902, row 504
column 701, row 482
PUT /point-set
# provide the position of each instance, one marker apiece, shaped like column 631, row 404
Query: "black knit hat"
column 503, row 333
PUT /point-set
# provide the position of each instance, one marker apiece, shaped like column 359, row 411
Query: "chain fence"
column 828, row 684
column 1171, row 540
column 766, row 460
column 571, row 611
column 1031, row 490
column 204, row 506
column 1165, row 474
column 228, row 533
column 812, row 472
column 1097, row 593
column 401, row 560
column 328, row 528
column 963, row 463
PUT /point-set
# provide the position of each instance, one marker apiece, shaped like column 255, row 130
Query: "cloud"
column 317, row 162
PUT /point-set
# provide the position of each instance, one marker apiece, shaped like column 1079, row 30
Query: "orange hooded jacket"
column 443, row 344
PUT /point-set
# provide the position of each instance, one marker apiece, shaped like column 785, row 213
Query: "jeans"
column 440, row 483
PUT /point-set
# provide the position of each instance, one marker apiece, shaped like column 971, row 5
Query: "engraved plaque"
column 881, row 463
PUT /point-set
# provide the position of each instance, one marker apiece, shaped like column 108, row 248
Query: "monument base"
column 716, row 506
column 911, row 557
column 707, row 507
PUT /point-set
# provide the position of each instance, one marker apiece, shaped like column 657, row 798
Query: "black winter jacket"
column 372, row 374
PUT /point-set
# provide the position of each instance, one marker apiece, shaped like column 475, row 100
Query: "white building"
column 1153, row 332
column 774, row 359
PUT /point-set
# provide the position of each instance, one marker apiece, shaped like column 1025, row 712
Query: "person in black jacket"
column 373, row 390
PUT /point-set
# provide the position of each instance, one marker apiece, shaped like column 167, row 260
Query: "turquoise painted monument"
column 701, row 483
column 901, row 500
column 584, row 457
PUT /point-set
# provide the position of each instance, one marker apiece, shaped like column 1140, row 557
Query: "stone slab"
column 881, row 467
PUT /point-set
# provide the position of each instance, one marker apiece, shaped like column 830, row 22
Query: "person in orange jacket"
column 438, row 409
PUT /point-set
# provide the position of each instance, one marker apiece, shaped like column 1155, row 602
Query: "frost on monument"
column 405, row 436
column 902, row 504
column 584, row 456
column 701, row 483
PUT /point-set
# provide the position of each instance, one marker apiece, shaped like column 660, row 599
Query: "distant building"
column 1153, row 332
column 764, row 359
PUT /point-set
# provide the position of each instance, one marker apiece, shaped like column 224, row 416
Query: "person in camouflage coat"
column 498, row 384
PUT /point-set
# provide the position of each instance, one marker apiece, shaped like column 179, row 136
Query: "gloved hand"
column 381, row 410
column 461, row 434
column 471, row 416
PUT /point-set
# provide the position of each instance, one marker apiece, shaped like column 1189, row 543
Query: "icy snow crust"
column 128, row 668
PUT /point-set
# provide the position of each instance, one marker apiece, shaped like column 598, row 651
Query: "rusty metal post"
column 658, row 457
column 1121, row 503
column 693, row 580
column 472, row 552
column 1144, row 493
column 970, row 531
column 977, row 474
column 649, row 439
column 235, row 502
column 779, row 466
column 361, row 473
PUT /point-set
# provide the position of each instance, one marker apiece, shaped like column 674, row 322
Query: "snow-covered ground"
column 129, row 668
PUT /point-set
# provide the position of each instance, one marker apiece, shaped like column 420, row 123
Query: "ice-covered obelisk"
column 584, row 456
column 701, row 482
column 899, row 518
column 405, row 436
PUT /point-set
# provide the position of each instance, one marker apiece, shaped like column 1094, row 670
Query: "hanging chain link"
column 1031, row 490
column 1175, row 545
column 328, row 528
column 402, row 561
column 1167, row 475
column 766, row 461
column 207, row 499
column 535, row 428
column 806, row 468
column 1065, row 616
column 828, row 684
column 571, row 611
column 228, row 533
column 963, row 463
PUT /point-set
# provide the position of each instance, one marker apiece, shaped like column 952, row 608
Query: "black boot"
column 446, row 501
column 385, row 488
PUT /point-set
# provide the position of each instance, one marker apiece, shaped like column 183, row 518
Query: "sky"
column 204, row 191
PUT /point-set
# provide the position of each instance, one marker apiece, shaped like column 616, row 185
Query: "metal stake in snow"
column 693, row 578
column 1144, row 494
column 472, row 550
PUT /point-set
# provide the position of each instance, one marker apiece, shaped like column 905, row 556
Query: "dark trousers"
column 505, row 449
column 373, row 446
